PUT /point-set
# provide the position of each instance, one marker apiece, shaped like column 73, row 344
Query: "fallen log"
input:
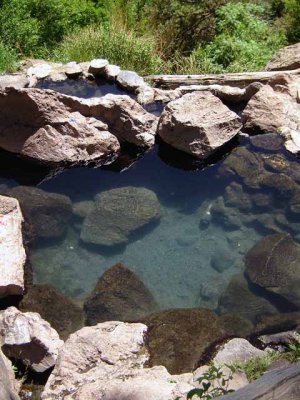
column 240, row 80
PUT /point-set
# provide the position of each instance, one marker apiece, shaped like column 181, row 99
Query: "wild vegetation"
column 149, row 36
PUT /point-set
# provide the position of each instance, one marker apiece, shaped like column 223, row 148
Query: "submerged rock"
column 274, row 264
column 287, row 58
column 108, row 360
column 269, row 141
column 12, row 253
column 8, row 383
column 125, row 118
column 48, row 213
column 119, row 296
column 198, row 123
column 60, row 311
column 117, row 213
column 44, row 130
column 28, row 338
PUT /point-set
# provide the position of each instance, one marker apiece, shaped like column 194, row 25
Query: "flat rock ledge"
column 12, row 252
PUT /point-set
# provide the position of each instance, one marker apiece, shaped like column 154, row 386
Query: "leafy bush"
column 30, row 26
column 8, row 59
column 245, row 40
column 119, row 46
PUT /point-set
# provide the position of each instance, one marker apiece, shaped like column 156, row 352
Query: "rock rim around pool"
column 198, row 124
column 117, row 213
column 273, row 263
column 12, row 252
column 119, row 296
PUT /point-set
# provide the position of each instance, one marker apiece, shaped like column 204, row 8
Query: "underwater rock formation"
column 48, row 213
column 198, row 123
column 274, row 264
column 60, row 311
column 12, row 253
column 29, row 338
column 44, row 130
column 117, row 213
column 119, row 296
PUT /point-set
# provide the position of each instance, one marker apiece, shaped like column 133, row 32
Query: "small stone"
column 73, row 70
column 97, row 66
column 40, row 71
column 130, row 80
column 111, row 72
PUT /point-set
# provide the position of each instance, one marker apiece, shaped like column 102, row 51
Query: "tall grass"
column 8, row 59
column 115, row 43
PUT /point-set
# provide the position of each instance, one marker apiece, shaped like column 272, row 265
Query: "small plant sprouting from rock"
column 213, row 383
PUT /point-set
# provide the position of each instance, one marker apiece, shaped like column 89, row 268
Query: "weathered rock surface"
column 15, row 81
column 12, row 253
column 281, row 384
column 125, row 118
column 274, row 107
column 274, row 264
column 97, row 66
column 45, row 130
column 111, row 72
column 178, row 338
column 130, row 80
column 60, row 311
column 8, row 383
column 119, row 296
column 106, row 362
column 73, row 70
column 119, row 212
column 198, row 124
column 236, row 350
column 238, row 298
column 27, row 337
column 48, row 213
column 287, row 58
column 82, row 208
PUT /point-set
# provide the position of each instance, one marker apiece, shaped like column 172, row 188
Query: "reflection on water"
column 191, row 252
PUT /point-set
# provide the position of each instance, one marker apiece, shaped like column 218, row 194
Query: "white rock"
column 97, row 66
column 111, row 72
column 130, row 80
column 237, row 350
column 12, row 253
column 29, row 338
column 40, row 71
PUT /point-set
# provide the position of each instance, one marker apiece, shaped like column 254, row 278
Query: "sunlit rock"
column 130, row 80
column 237, row 350
column 28, row 338
column 198, row 123
column 73, row 70
column 111, row 72
column 60, row 311
column 287, row 58
column 44, row 130
column 97, row 66
column 48, row 213
column 12, row 253
column 9, row 386
column 273, row 263
column 119, row 212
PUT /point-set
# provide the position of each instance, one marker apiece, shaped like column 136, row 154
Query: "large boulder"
column 274, row 107
column 119, row 296
column 273, row 263
column 60, row 311
column 8, row 383
column 106, row 361
column 117, row 213
column 48, row 213
column 287, row 58
column 12, row 253
column 28, row 338
column 198, row 123
column 36, row 125
column 125, row 118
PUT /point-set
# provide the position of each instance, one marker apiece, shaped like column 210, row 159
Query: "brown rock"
column 236, row 197
column 60, row 311
column 287, row 58
column 198, row 123
column 119, row 296
column 8, row 383
column 48, row 213
column 36, row 125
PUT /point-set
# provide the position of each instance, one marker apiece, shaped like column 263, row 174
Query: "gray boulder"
column 12, row 253
column 117, row 213
column 198, row 123
column 130, row 80
column 97, row 66
column 287, row 58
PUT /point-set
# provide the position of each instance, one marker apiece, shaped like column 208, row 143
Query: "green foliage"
column 244, row 41
column 118, row 45
column 8, row 59
column 30, row 26
column 292, row 11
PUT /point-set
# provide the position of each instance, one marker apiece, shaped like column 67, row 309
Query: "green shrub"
column 8, row 59
column 245, row 39
column 117, row 45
